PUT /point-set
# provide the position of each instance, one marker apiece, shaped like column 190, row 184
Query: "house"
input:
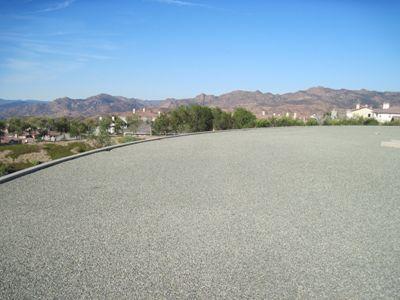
column 10, row 140
column 55, row 136
column 360, row 112
column 111, row 128
column 386, row 114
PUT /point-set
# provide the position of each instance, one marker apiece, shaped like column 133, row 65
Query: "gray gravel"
column 267, row 213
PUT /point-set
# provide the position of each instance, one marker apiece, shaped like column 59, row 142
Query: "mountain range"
column 316, row 100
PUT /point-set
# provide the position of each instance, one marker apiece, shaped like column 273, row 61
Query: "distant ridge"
column 315, row 100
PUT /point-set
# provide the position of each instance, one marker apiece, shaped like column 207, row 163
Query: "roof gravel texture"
column 267, row 213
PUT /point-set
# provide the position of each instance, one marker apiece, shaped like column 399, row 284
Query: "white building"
column 360, row 112
column 386, row 114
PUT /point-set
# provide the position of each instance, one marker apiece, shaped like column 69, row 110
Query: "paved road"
column 268, row 213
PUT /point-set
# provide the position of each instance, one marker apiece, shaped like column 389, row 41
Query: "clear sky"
column 154, row 49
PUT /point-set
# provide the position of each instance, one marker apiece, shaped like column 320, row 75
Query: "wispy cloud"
column 19, row 64
column 56, row 6
column 25, row 71
column 179, row 3
column 46, row 49
column 93, row 48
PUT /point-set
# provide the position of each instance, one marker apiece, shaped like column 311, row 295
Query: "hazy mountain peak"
column 316, row 100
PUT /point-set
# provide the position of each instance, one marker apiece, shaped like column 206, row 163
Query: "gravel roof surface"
column 267, row 213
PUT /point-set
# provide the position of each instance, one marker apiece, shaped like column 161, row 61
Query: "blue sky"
column 154, row 49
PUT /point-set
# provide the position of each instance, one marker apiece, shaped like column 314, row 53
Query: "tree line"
column 193, row 118
column 196, row 118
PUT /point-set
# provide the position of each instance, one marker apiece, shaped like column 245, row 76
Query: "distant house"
column 55, row 136
column 11, row 140
column 386, row 114
column 27, row 139
column 360, row 112
column 111, row 127
column 112, row 130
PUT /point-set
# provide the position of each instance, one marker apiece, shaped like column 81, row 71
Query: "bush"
column 263, row 123
column 351, row 121
column 162, row 125
column 242, row 118
column 103, row 138
column 200, row 118
column 312, row 122
column 370, row 122
column 286, row 121
column 392, row 123
column 193, row 118
column 221, row 119
column 58, row 151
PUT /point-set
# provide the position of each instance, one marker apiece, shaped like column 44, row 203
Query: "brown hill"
column 316, row 100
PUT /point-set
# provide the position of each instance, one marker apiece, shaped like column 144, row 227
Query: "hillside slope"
column 316, row 100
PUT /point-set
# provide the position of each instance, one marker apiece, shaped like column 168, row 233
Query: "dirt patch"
column 41, row 156
column 75, row 150
column 4, row 158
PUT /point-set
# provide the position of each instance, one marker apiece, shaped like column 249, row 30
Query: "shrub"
column 312, row 122
column 263, row 123
column 392, row 123
column 56, row 151
column 221, row 119
column 370, row 122
column 242, row 118
column 162, row 125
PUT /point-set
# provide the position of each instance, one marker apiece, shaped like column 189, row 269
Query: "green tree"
column 200, row 118
column 221, row 119
column 162, row 125
column 242, row 118
column 61, row 124
column 119, row 125
column 77, row 128
column 180, row 119
column 102, row 137
column 90, row 124
column 15, row 125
